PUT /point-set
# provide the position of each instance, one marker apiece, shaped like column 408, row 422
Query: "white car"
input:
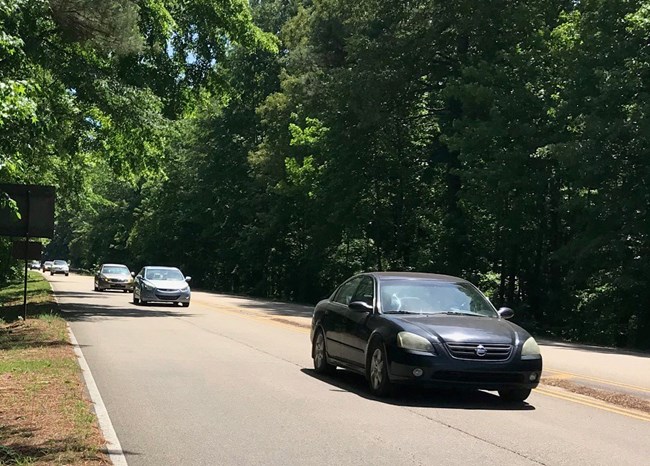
column 59, row 266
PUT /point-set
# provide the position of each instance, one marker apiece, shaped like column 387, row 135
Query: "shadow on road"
column 279, row 309
column 76, row 294
column 83, row 311
column 418, row 397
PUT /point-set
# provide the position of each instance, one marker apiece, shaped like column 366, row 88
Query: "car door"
column 335, row 320
column 356, row 322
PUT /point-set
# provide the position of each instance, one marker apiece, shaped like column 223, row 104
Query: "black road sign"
column 35, row 203
column 33, row 250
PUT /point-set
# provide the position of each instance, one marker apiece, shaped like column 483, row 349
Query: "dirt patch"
column 618, row 399
column 45, row 417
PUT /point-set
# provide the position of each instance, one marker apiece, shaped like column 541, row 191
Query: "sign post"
column 26, row 254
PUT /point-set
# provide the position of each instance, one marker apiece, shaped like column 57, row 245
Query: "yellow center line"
column 594, row 404
column 272, row 320
column 597, row 379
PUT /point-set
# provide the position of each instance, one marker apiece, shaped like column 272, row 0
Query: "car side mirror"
column 188, row 279
column 506, row 313
column 133, row 274
column 360, row 306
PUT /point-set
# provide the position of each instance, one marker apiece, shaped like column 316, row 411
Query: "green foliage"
column 502, row 141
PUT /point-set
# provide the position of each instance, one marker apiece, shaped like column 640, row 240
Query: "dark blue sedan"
column 400, row 328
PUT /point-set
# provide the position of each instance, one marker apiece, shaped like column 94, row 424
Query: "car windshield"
column 163, row 274
column 115, row 270
column 433, row 297
column 60, row 263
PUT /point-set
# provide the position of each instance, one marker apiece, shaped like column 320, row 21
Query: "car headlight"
column 186, row 289
column 530, row 350
column 148, row 287
column 411, row 341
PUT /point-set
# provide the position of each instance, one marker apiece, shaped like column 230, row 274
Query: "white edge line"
column 113, row 446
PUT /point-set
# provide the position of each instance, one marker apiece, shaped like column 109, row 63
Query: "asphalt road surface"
column 228, row 381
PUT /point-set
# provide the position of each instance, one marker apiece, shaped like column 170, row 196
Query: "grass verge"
column 45, row 417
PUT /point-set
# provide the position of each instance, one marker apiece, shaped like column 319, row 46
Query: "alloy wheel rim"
column 320, row 350
column 376, row 369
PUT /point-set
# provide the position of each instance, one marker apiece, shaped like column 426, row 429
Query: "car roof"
column 160, row 267
column 114, row 265
column 385, row 276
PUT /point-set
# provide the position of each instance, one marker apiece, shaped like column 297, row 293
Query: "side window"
column 141, row 273
column 366, row 291
column 344, row 295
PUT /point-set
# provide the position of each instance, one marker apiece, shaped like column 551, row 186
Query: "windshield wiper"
column 458, row 313
column 401, row 312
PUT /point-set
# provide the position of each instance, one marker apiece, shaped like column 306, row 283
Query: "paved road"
column 228, row 381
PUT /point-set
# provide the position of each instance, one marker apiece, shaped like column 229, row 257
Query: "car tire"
column 125, row 291
column 185, row 304
column 319, row 354
column 377, row 370
column 67, row 274
column 51, row 273
column 136, row 300
column 96, row 289
column 515, row 394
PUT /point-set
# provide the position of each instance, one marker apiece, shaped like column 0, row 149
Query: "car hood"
column 117, row 276
column 466, row 328
column 168, row 284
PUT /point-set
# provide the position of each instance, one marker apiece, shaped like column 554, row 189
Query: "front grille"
column 478, row 377
column 168, row 296
column 490, row 352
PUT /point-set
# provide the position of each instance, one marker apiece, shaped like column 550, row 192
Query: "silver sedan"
column 162, row 285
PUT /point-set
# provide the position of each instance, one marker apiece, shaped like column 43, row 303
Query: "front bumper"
column 54, row 271
column 444, row 371
column 109, row 284
column 165, row 296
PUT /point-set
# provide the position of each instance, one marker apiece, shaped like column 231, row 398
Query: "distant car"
column 114, row 277
column 35, row 265
column 47, row 265
column 161, row 284
column 59, row 266
column 426, row 329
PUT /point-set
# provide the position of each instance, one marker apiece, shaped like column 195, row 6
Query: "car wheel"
column 185, row 304
column 136, row 300
column 377, row 370
column 51, row 273
column 96, row 289
column 67, row 274
column 515, row 394
column 125, row 291
column 319, row 354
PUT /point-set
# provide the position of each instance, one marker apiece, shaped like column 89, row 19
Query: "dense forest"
column 275, row 147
